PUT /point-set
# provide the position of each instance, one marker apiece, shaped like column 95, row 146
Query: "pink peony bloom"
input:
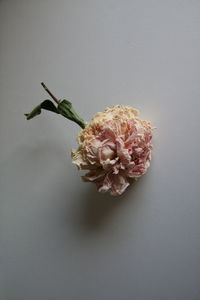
column 116, row 149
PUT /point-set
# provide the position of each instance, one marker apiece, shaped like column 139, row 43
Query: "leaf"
column 46, row 104
column 66, row 109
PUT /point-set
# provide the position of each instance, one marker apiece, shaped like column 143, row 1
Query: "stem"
column 50, row 93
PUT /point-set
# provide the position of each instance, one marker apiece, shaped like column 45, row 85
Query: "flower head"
column 116, row 149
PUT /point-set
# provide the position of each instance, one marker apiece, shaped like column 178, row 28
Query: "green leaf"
column 46, row 104
column 66, row 109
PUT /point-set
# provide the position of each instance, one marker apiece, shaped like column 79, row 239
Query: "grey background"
column 59, row 238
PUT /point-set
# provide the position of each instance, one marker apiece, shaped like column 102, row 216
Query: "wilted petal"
column 77, row 159
column 116, row 147
column 94, row 175
column 122, row 152
column 119, row 184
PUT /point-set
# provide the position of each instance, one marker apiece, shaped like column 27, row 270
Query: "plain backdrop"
column 60, row 238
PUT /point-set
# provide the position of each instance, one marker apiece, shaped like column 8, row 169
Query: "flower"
column 116, row 149
column 115, row 146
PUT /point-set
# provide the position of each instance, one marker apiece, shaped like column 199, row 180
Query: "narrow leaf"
column 46, row 104
column 66, row 109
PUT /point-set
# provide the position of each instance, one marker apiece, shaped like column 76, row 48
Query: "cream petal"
column 114, row 146
column 119, row 185
column 94, row 175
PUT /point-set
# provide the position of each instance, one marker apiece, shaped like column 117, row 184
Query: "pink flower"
column 116, row 149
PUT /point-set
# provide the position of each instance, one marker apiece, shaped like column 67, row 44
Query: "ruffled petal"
column 115, row 147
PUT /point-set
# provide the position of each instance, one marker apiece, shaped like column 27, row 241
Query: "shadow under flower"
column 96, row 207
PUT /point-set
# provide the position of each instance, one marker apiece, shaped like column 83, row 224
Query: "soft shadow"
column 93, row 210
column 97, row 208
